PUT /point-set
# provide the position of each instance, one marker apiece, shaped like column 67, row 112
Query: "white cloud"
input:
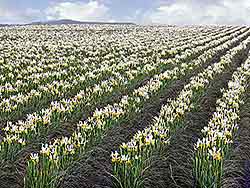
column 91, row 11
column 16, row 16
column 201, row 12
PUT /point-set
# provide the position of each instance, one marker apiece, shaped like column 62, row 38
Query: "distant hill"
column 68, row 21
column 4, row 25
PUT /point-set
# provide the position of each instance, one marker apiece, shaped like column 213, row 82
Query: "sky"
column 178, row 12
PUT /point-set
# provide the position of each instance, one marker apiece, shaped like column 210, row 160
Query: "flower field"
column 124, row 106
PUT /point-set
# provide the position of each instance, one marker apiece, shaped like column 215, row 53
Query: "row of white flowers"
column 219, row 134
